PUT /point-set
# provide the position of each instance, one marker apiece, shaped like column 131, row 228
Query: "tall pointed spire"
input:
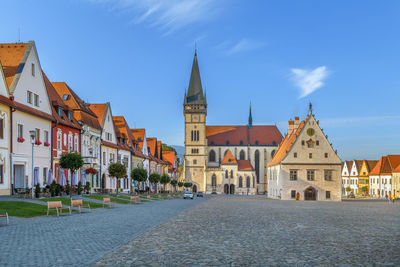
column 310, row 109
column 250, row 118
column 195, row 91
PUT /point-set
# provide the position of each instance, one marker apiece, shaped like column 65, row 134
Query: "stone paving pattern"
column 81, row 239
column 238, row 231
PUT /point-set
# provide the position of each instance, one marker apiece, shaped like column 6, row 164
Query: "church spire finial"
column 250, row 118
column 310, row 109
column 195, row 91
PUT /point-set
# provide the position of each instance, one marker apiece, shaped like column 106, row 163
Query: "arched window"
column 211, row 156
column 241, row 155
column 231, row 173
column 273, row 153
column 257, row 163
column 226, row 174
column 214, row 180
column 248, row 182
column 240, row 181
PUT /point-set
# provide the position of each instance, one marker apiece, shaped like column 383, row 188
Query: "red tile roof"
column 358, row 165
column 109, row 144
column 169, row 156
column 99, row 110
column 229, row 158
column 370, row 164
column 286, row 144
column 159, row 150
column 244, row 165
column 81, row 109
column 10, row 57
column 138, row 135
column 242, row 135
column 152, row 144
column 55, row 102
column 394, row 161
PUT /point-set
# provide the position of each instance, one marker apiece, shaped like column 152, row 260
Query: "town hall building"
column 224, row 159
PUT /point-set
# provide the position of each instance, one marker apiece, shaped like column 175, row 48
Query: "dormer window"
column 59, row 111
column 70, row 115
column 273, row 143
column 227, row 142
column 65, row 97
column 139, row 139
column 256, row 142
column 241, row 142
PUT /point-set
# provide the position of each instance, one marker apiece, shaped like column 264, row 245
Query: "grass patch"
column 113, row 199
column 67, row 202
column 22, row 209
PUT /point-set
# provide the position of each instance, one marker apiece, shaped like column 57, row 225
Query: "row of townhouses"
column 40, row 120
column 376, row 178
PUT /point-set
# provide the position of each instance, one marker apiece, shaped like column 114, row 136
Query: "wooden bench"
column 57, row 205
column 107, row 201
column 148, row 196
column 79, row 203
column 135, row 199
column 5, row 216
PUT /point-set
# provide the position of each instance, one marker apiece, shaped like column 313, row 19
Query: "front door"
column 194, row 189
column 19, row 177
column 310, row 194
column 232, row 189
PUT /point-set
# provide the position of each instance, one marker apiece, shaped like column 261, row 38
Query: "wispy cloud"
column 242, row 45
column 166, row 15
column 366, row 120
column 309, row 80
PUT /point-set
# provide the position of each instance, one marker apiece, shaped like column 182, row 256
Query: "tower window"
column 310, row 155
column 326, row 155
column 211, row 156
column 295, row 154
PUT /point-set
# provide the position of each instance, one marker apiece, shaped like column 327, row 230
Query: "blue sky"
column 343, row 56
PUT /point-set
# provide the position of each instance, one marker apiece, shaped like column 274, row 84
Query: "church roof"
column 229, row 158
column 244, row 165
column 195, row 90
column 286, row 144
column 243, row 135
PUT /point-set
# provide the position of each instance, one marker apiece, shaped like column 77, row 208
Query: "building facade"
column 305, row 167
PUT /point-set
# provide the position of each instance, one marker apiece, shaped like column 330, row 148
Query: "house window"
column 226, row 174
column 328, row 175
column 46, row 136
column 326, row 155
column 76, row 143
column 293, row 194
column 44, row 175
column 328, row 194
column 37, row 135
column 317, row 142
column 29, row 97
column 293, row 175
column 70, row 115
column 33, row 70
column 295, row 154
column 310, row 175
column 1, row 129
column 70, row 145
column 59, row 140
column 310, row 155
column 1, row 174
column 36, row 99
column 59, row 111
column 194, row 161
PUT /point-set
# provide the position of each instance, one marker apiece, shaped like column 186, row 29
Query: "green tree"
column 174, row 183
column 139, row 175
column 154, row 178
column 80, row 188
column 118, row 171
column 348, row 189
column 187, row 184
column 87, row 187
column 72, row 161
column 164, row 179
column 180, row 184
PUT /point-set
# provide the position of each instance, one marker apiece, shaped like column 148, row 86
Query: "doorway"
column 310, row 194
column 232, row 189
column 226, row 189
column 19, row 176
column 194, row 189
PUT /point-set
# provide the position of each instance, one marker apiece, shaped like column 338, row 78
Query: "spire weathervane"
column 250, row 118
column 310, row 109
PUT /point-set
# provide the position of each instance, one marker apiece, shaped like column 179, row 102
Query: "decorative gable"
column 109, row 134
column 3, row 83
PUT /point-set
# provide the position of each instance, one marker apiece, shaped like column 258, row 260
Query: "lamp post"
column 32, row 135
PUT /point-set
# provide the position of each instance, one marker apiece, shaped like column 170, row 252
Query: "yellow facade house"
column 396, row 182
column 363, row 176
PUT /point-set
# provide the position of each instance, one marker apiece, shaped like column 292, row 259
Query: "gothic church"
column 224, row 159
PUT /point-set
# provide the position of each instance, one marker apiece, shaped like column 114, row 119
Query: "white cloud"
column 167, row 15
column 245, row 44
column 367, row 120
column 309, row 80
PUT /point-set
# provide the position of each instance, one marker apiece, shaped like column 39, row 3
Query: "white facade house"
column 109, row 147
column 5, row 181
column 32, row 113
column 354, row 173
column 346, row 176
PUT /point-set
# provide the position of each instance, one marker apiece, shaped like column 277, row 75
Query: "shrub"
column 80, row 188
column 53, row 188
column 87, row 187
column 57, row 189
column 187, row 184
column 37, row 190
column 68, row 188
column 180, row 184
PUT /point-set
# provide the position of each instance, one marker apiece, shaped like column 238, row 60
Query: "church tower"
column 195, row 112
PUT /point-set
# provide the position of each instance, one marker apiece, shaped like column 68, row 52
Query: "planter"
column 20, row 140
column 46, row 144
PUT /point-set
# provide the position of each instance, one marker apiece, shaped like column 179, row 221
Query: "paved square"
column 255, row 231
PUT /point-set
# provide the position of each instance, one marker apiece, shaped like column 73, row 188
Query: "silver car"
column 188, row 195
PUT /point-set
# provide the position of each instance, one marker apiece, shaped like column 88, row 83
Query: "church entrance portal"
column 226, row 189
column 194, row 189
column 232, row 189
column 310, row 194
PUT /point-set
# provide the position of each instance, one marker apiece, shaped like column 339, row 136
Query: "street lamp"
column 32, row 135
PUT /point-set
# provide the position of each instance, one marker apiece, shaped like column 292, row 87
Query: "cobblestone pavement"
column 81, row 239
column 237, row 231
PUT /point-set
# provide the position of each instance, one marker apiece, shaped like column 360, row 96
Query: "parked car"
column 199, row 194
column 188, row 195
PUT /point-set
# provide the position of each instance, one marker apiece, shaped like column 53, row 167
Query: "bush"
column 80, row 188
column 187, row 184
column 58, row 189
column 53, row 188
column 37, row 190
column 68, row 188
column 180, row 184
column 87, row 187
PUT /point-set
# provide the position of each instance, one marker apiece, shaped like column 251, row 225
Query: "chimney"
column 296, row 122
column 290, row 127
